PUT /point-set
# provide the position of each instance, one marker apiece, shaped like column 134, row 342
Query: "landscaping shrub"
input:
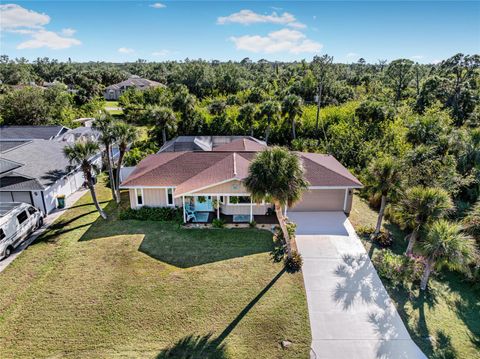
column 398, row 268
column 164, row 214
column 294, row 263
column 365, row 231
column 218, row 223
column 384, row 238
column 278, row 251
column 252, row 224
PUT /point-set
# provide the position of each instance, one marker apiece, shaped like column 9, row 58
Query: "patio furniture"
column 190, row 213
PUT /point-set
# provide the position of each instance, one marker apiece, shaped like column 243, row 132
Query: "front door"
column 203, row 204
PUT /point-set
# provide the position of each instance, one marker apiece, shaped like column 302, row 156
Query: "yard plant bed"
column 445, row 321
column 92, row 288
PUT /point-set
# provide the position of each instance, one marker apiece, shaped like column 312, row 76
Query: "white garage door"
column 6, row 197
column 320, row 200
column 22, row 197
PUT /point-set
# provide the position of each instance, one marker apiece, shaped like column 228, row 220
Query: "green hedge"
column 165, row 214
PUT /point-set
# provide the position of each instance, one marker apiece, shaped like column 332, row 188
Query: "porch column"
column 183, row 207
column 251, row 209
column 218, row 207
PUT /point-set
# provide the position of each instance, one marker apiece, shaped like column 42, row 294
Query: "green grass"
column 110, row 104
column 448, row 314
column 96, row 289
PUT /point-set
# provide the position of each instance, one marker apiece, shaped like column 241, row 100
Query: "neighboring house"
column 36, row 172
column 198, row 180
column 33, row 168
column 113, row 92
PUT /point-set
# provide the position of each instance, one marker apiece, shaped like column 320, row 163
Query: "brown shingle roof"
column 191, row 171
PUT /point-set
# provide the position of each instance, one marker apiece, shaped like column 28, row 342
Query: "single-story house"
column 209, row 184
column 36, row 172
column 33, row 168
column 113, row 92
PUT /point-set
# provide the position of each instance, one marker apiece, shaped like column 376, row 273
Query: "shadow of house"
column 196, row 347
column 184, row 248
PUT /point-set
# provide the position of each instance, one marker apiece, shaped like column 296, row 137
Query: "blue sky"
column 283, row 30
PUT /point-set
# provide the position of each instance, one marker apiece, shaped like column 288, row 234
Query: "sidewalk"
column 47, row 222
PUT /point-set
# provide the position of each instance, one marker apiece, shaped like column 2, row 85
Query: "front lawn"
column 98, row 289
column 445, row 323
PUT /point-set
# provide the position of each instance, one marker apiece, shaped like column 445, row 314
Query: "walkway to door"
column 351, row 314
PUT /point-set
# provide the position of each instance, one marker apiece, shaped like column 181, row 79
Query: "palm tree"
column 79, row 154
column 125, row 135
column 421, row 206
column 471, row 222
column 105, row 126
column 247, row 115
column 383, row 177
column 292, row 108
column 277, row 175
column 270, row 111
column 446, row 245
column 164, row 118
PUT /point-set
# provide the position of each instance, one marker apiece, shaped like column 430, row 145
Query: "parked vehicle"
column 17, row 222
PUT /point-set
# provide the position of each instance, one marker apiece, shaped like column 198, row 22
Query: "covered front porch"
column 231, row 209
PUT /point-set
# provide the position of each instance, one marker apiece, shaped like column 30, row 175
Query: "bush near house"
column 163, row 214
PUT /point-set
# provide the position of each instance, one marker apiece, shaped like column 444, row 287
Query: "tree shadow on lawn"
column 196, row 347
column 184, row 248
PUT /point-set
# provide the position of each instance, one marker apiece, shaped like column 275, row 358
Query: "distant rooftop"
column 135, row 81
column 31, row 132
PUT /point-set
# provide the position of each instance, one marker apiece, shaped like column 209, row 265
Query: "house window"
column 239, row 200
column 170, row 196
column 139, row 196
column 222, row 199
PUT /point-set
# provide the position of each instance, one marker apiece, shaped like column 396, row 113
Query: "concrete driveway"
column 351, row 314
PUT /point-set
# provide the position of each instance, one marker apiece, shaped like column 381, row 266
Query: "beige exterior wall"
column 227, row 187
column 152, row 197
column 320, row 200
column 258, row 209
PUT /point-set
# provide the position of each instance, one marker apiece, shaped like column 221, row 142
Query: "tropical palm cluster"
column 422, row 211
column 113, row 134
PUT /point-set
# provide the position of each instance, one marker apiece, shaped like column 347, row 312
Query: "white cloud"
column 284, row 40
column 126, row 50
column 417, row 57
column 352, row 54
column 158, row 5
column 14, row 16
column 248, row 17
column 436, row 61
column 50, row 39
column 68, row 31
column 18, row 20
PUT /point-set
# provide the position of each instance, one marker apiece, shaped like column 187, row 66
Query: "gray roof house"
column 36, row 171
column 113, row 92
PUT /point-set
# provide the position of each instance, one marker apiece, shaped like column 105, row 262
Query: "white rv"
column 17, row 221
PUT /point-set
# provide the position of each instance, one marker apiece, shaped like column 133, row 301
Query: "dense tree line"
column 426, row 117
